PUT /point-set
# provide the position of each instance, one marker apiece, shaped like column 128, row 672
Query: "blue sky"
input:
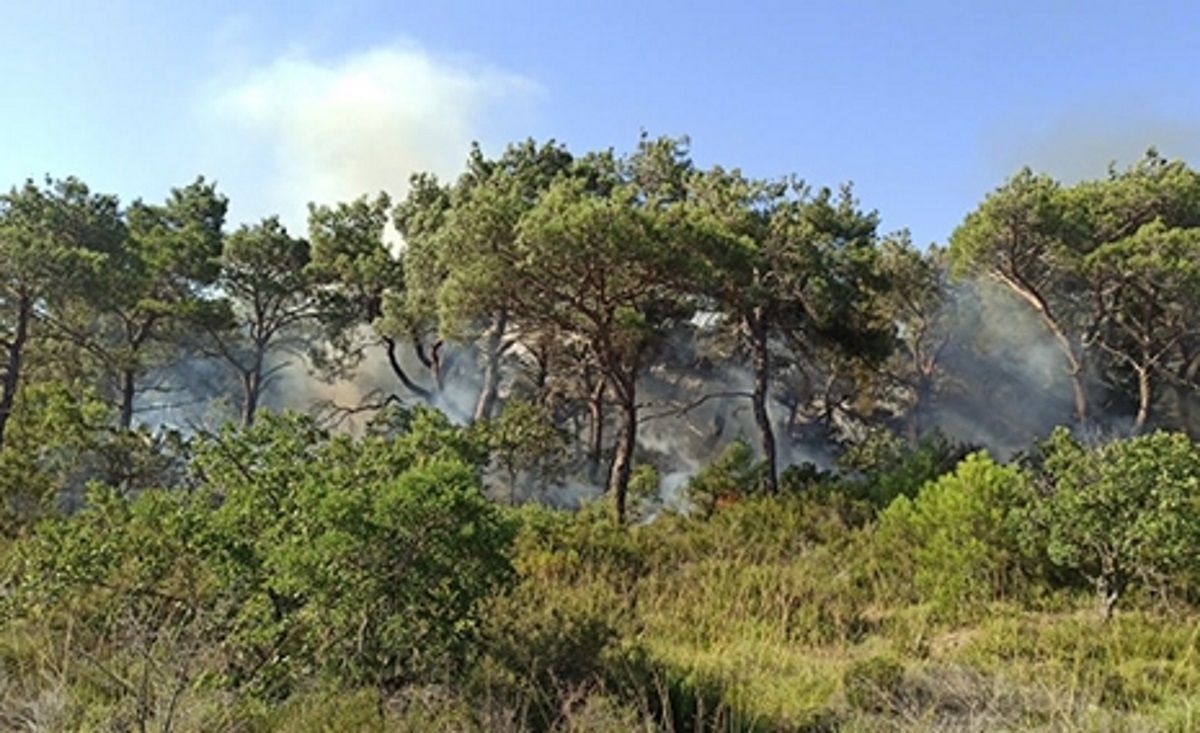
column 925, row 105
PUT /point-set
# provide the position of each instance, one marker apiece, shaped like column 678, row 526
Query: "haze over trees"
column 800, row 432
column 620, row 292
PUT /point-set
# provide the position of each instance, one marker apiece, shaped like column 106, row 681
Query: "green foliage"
column 151, row 288
column 301, row 554
column 420, row 434
column 460, row 238
column 891, row 469
column 600, row 260
column 1124, row 512
column 272, row 307
column 378, row 550
column 54, row 242
column 49, row 437
column 732, row 474
column 752, row 619
column 526, row 444
column 645, row 490
column 783, row 263
column 355, row 274
column 1106, row 265
column 961, row 535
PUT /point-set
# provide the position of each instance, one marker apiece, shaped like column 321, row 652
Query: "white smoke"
column 333, row 130
column 1080, row 141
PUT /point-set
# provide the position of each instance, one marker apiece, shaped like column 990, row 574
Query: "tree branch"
column 686, row 408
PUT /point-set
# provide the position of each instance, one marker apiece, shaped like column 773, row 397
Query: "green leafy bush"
column 958, row 543
column 890, row 468
column 1122, row 513
column 364, row 562
column 527, row 447
column 732, row 474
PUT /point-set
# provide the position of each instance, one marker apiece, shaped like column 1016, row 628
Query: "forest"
column 602, row 442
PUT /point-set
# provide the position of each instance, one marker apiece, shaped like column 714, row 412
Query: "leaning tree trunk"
column 392, row 349
column 1074, row 358
column 762, row 419
column 16, row 355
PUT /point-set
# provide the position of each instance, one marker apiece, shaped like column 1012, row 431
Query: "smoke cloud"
column 1081, row 142
column 333, row 130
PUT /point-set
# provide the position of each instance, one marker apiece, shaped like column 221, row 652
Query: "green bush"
column 298, row 555
column 731, row 475
column 958, row 543
column 1124, row 512
column 889, row 468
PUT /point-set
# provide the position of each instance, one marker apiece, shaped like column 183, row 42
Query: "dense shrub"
column 889, row 468
column 959, row 544
column 299, row 554
column 1124, row 512
column 731, row 475
column 312, row 581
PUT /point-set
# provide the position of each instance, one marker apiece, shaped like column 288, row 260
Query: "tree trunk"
column 622, row 465
column 923, row 394
column 595, row 430
column 1079, row 390
column 16, row 355
column 762, row 419
column 251, row 391
column 128, row 393
column 491, row 369
column 1108, row 592
column 1145, row 394
column 1074, row 359
column 432, row 361
column 394, row 361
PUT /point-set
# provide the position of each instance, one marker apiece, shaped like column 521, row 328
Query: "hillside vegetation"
column 610, row 443
column 304, row 581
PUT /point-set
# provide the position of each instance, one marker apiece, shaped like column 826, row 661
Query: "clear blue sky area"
column 925, row 106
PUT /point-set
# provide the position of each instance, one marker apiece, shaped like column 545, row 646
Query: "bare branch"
column 688, row 407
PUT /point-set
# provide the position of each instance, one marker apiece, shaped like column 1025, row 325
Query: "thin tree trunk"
column 251, row 392
column 622, row 465
column 128, row 393
column 762, row 384
column 595, row 430
column 491, row 368
column 1145, row 394
column 1108, row 593
column 1074, row 359
column 1079, row 390
column 924, row 388
column 16, row 355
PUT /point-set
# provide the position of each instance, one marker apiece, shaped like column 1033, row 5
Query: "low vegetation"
column 306, row 581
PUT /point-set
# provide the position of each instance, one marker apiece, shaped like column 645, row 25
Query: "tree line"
column 580, row 301
column 547, row 320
